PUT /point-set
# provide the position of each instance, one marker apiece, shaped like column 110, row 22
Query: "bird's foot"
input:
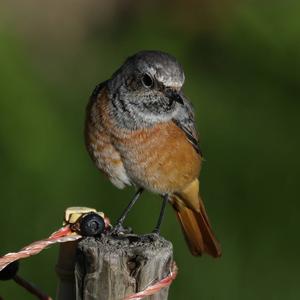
column 152, row 236
column 156, row 231
column 118, row 230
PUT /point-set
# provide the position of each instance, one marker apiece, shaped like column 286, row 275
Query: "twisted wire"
column 156, row 287
column 62, row 235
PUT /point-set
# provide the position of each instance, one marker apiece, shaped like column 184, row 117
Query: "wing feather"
column 185, row 120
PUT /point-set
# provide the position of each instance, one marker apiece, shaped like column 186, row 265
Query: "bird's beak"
column 174, row 96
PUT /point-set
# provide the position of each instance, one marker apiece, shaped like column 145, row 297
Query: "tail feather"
column 196, row 227
column 198, row 233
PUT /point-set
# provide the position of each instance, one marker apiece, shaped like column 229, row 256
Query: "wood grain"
column 110, row 268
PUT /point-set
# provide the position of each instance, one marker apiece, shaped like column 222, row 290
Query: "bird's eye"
column 147, row 80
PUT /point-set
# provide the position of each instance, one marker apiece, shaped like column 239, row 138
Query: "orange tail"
column 195, row 224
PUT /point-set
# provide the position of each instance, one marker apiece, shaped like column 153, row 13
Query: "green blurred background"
column 242, row 62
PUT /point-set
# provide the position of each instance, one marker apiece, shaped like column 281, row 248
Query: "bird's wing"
column 185, row 120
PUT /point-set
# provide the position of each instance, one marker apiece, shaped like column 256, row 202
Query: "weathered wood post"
column 112, row 267
column 65, row 270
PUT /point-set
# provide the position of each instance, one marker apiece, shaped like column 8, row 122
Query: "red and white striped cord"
column 64, row 234
column 156, row 287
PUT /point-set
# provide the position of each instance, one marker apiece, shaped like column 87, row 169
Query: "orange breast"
column 158, row 158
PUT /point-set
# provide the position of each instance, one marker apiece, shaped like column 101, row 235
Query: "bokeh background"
column 242, row 62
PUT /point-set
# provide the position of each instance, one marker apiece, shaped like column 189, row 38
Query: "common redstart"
column 140, row 131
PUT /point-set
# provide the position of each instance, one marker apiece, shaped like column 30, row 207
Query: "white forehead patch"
column 168, row 78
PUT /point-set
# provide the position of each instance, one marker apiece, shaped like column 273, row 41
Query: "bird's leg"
column 161, row 214
column 118, row 227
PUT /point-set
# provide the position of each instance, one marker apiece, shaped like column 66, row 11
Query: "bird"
column 140, row 131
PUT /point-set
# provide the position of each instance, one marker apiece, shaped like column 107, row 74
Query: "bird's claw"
column 118, row 230
column 156, row 232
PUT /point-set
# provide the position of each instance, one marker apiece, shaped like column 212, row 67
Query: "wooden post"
column 110, row 268
column 65, row 271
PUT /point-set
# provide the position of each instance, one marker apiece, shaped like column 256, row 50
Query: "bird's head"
column 148, row 86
